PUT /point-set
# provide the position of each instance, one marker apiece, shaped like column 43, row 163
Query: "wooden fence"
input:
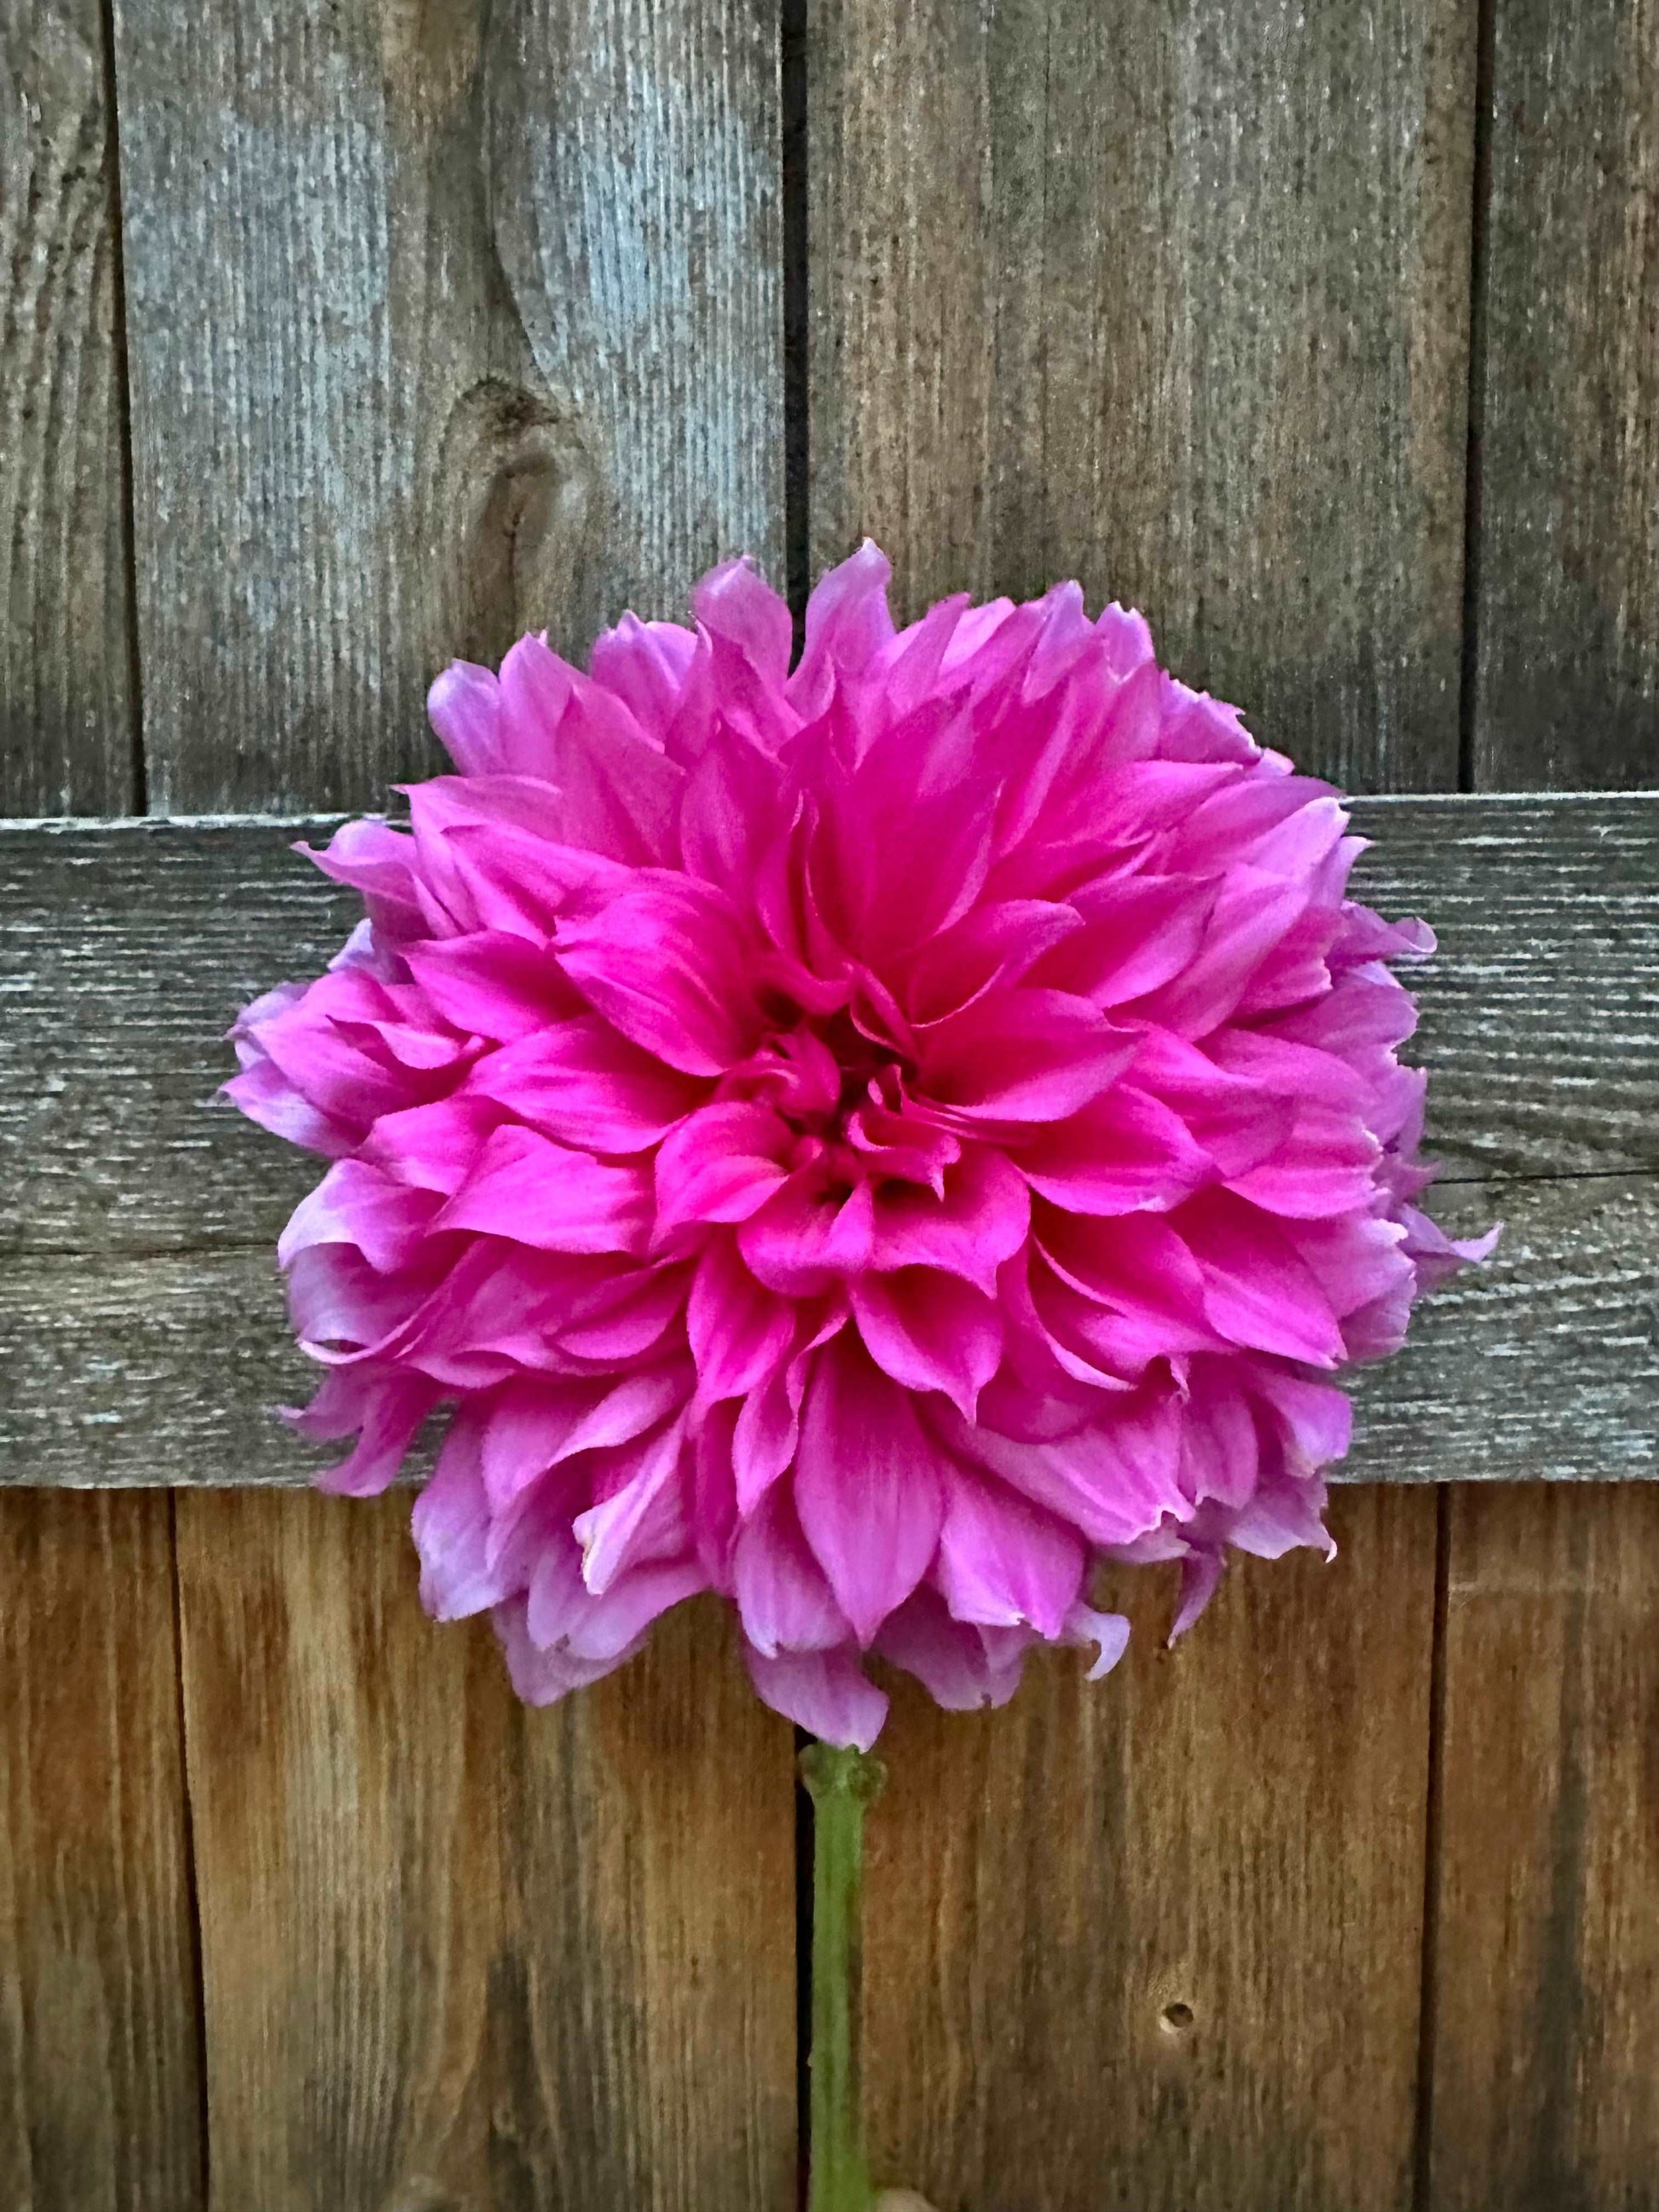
column 338, row 336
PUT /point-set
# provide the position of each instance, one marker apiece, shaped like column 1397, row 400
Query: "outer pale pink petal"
column 581, row 1082
column 647, row 666
column 849, row 628
column 539, row 1677
column 265, row 1094
column 379, row 861
column 959, row 1666
column 735, row 603
column 1201, row 1578
column 617, row 792
column 826, row 1693
column 642, row 1518
column 866, row 1485
column 720, row 1164
column 782, row 1597
column 1003, row 1562
column 389, row 1412
column 531, row 1191
column 930, row 1332
column 464, row 707
column 451, row 1525
column 1107, row 1631
column 1024, row 1055
column 357, row 1204
column 563, row 1614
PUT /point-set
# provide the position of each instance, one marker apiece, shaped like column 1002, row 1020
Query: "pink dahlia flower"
column 868, row 1141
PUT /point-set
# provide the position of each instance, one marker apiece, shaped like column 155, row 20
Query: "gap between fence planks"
column 162, row 1363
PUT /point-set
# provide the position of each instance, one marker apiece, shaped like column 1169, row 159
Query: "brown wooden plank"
column 1545, row 2094
column 444, row 323
column 126, row 951
column 1567, row 605
column 1152, row 1942
column 100, row 2062
column 67, row 716
column 1174, row 299
column 458, row 1954
column 1543, row 1365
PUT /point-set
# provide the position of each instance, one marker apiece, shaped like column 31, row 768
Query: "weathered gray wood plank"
column 1567, row 607
column 67, row 716
column 1173, row 299
column 445, row 323
column 125, row 951
column 1544, row 1365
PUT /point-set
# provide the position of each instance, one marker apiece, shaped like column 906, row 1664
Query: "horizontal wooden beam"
column 142, row 1338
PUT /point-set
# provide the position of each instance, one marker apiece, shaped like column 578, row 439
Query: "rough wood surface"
column 168, row 1369
column 67, row 716
column 1153, row 1942
column 445, row 322
column 1547, row 1981
column 1173, row 299
column 125, row 951
column 100, row 2060
column 459, row 1956
column 1567, row 606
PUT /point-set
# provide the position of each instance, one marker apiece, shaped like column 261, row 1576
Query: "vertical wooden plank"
column 1151, row 1943
column 67, row 718
column 100, row 2060
column 1175, row 299
column 458, row 1954
column 1546, row 2096
column 1568, row 602
column 447, row 321
column 99, row 2049
column 1546, row 1972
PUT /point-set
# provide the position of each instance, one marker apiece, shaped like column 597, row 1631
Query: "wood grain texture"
column 67, row 714
column 1152, row 1943
column 1540, row 1015
column 445, row 322
column 459, row 1956
column 1567, row 609
column 1174, row 299
column 1543, row 1365
column 100, row 2061
column 1545, row 2095
column 1540, row 1025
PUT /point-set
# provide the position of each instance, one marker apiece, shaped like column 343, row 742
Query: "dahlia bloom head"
column 869, row 1141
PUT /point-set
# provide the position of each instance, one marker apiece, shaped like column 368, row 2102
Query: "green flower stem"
column 841, row 1783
